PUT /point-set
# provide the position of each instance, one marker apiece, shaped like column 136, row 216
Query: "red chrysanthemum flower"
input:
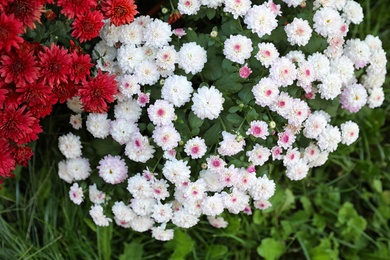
column 80, row 67
column 19, row 125
column 26, row 11
column 12, row 96
column 21, row 69
column 87, row 26
column 36, row 94
column 7, row 161
column 26, row 47
column 10, row 28
column 64, row 91
column 72, row 8
column 23, row 155
column 54, row 63
column 119, row 11
column 97, row 92
column 3, row 96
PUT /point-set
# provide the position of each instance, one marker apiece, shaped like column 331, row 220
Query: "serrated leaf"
column 181, row 244
column 195, row 122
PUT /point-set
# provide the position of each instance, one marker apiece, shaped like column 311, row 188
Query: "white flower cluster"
column 173, row 193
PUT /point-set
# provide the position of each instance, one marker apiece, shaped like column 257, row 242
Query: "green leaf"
column 104, row 237
column 212, row 69
column 195, row 122
column 246, row 94
column 234, row 119
column 181, row 245
column 252, row 115
column 216, row 251
column 106, row 146
column 133, row 251
column 211, row 136
column 270, row 248
column 210, row 12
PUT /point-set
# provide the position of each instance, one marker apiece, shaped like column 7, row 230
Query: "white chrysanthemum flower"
column 291, row 157
column 139, row 187
column 329, row 139
column 349, row 132
column 231, row 144
column 176, row 171
column 282, row 104
column 353, row 12
column 96, row 196
column 321, row 159
column 263, row 189
column 262, row 204
column 246, row 180
column 147, row 72
column 212, row 205
column 96, row 212
column 166, row 57
column 353, row 97
column 75, row 104
column 330, row 87
column 219, row 222
column 305, row 74
column 325, row 3
column 157, row 33
column 237, row 48
column 258, row 155
column 98, row 125
column 298, row 32
column 372, row 80
column 298, row 170
column 258, row 129
column 299, row 112
column 358, row 51
column 373, row 42
column 103, row 51
column 149, row 52
column 128, row 85
column 378, row 61
column 192, row 57
column 76, row 121
column 162, row 213
column 235, row 201
column 344, row 67
column 267, row 53
column 327, row 22
column 189, row 7
column 207, row 103
column 78, row 168
column 143, row 207
column 160, row 189
column 112, row 169
column 141, row 224
column 293, row 3
column 76, row 194
column 177, row 90
column 212, row 3
column 286, row 139
column 276, row 153
column 311, row 153
column 123, row 214
column 376, row 97
column 296, row 56
column 321, row 65
column 129, row 57
column 110, row 33
column 237, row 7
column 138, row 148
column 128, row 110
column 70, row 145
column 121, row 130
column 161, row 112
column 143, row 20
column 108, row 66
column 195, row 190
column 162, row 234
column 63, row 173
column 265, row 92
column 195, row 147
column 166, row 136
column 229, row 177
column 184, row 219
column 131, row 34
column 314, row 125
column 283, row 71
column 212, row 180
column 261, row 20
column 215, row 163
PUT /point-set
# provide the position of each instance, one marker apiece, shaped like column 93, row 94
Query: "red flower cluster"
column 34, row 77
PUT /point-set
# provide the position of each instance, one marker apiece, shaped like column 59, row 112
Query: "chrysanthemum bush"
column 183, row 120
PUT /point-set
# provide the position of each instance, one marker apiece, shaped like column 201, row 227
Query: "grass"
column 37, row 221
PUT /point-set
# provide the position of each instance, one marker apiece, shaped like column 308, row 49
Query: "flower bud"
column 164, row 10
column 272, row 124
column 214, row 34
